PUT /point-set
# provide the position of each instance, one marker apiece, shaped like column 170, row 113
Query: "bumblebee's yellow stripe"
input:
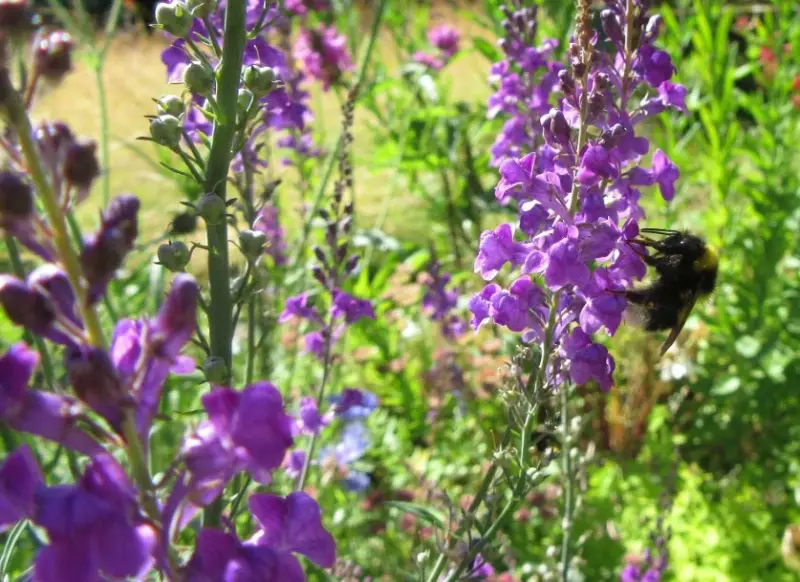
column 709, row 260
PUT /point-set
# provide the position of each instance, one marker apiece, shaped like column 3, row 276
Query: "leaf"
column 425, row 514
column 487, row 49
column 748, row 346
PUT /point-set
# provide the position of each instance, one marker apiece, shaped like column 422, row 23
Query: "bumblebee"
column 686, row 269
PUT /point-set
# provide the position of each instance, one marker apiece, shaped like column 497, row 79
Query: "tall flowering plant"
column 572, row 159
column 116, row 520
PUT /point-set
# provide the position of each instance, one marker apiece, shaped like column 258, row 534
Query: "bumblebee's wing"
column 683, row 315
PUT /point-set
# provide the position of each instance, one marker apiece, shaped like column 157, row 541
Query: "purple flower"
column 596, row 165
column 446, row 39
column 303, row 7
column 315, row 344
column 520, row 307
column 293, row 463
column 351, row 446
column 155, row 346
column 267, row 222
column 431, row 61
column 497, row 248
column 309, row 419
column 665, row 173
column 588, row 360
column 353, row 404
column 293, row 525
column 654, row 65
column 438, row 301
column 221, row 556
column 672, row 95
column 176, row 60
column 480, row 305
column 20, row 478
column 95, row 380
column 104, row 252
column 351, row 308
column 48, row 415
column 300, row 306
column 246, row 430
column 324, row 54
column 94, row 528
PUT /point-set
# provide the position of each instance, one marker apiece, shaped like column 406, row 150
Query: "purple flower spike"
column 246, row 430
column 20, row 477
column 44, row 414
column 293, row 524
column 268, row 223
column 94, row 528
column 352, row 308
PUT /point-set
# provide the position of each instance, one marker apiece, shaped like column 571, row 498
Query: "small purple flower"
column 293, row 463
column 596, row 165
column 520, row 307
column 497, row 248
column 293, row 525
column 665, row 174
column 104, row 252
column 51, row 416
column 654, row 65
column 20, row 478
column 309, row 419
column 246, row 430
column 445, row 38
column 480, row 305
column 431, row 61
column 303, row 7
column 94, row 528
column 672, row 95
column 588, row 360
column 315, row 344
column 351, row 308
column 324, row 54
column 353, row 404
column 268, row 222
column 300, row 306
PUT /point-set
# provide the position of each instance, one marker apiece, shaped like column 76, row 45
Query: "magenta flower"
column 246, row 430
column 351, row 308
column 94, row 528
column 324, row 54
column 48, row 415
column 445, row 38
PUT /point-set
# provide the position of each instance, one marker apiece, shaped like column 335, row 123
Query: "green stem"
column 566, row 446
column 333, row 157
column 17, row 117
column 105, row 150
column 19, row 270
column 216, row 178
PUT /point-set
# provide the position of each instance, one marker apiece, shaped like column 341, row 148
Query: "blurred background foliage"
column 714, row 426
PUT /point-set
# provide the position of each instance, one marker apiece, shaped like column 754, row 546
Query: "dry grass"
column 134, row 75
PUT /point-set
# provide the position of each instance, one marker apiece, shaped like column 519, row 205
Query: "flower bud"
column 215, row 370
column 175, row 18
column 556, row 129
column 54, row 283
column 16, row 196
column 611, row 26
column 252, row 243
column 653, row 26
column 183, row 223
column 26, row 307
column 351, row 265
column 52, row 54
column 95, row 381
column 245, row 101
column 80, row 165
column 198, row 79
column 166, row 130
column 171, row 105
column 260, row 80
column 201, row 8
column 567, row 82
column 211, row 208
column 173, row 255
